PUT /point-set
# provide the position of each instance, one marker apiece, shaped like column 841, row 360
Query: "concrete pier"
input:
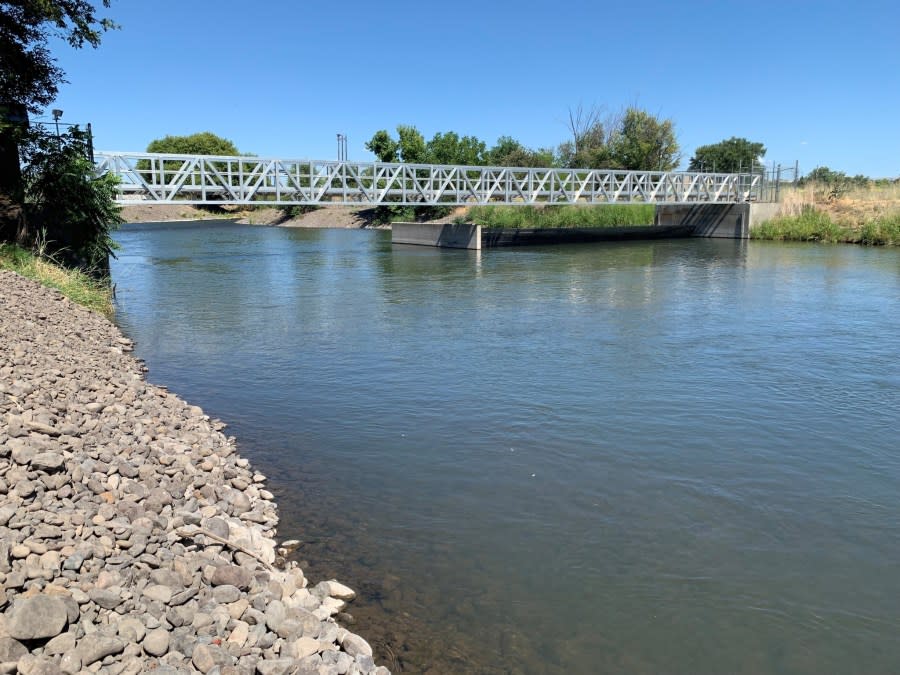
column 722, row 221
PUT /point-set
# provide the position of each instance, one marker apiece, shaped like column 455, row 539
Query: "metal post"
column 90, row 142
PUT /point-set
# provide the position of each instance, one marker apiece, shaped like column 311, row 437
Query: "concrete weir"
column 726, row 221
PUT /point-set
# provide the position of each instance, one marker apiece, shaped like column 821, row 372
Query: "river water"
column 641, row 457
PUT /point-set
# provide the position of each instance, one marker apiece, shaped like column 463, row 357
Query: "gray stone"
column 74, row 562
column 95, row 647
column 354, row 645
column 7, row 511
column 11, row 650
column 40, row 616
column 70, row 663
column 31, row 664
column 301, row 648
column 61, row 644
column 233, row 575
column 337, row 590
column 226, row 594
column 238, row 501
column 131, row 629
column 105, row 598
column 156, row 642
column 275, row 666
column 207, row 657
column 366, row 663
column 158, row 592
column 47, row 461
column 217, row 526
column 183, row 596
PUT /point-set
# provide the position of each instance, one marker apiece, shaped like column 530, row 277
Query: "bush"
column 70, row 212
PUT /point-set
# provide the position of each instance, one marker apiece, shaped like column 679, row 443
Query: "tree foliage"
column 632, row 139
column 507, row 151
column 202, row 143
column 732, row 155
column 643, row 142
column 29, row 75
column 449, row 148
column 70, row 211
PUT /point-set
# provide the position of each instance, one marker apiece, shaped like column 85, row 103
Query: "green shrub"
column 70, row 211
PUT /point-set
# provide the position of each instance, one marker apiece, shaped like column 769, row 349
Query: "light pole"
column 57, row 113
column 342, row 147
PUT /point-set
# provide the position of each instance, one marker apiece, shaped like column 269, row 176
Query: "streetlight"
column 342, row 147
column 57, row 113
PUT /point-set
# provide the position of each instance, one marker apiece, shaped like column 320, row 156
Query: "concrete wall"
column 447, row 235
column 728, row 221
column 493, row 237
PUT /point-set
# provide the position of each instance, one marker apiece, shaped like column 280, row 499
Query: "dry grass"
column 852, row 208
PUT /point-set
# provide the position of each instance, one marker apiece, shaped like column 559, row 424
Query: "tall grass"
column 812, row 224
column 80, row 288
column 564, row 216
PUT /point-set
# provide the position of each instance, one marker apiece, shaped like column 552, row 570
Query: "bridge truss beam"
column 208, row 179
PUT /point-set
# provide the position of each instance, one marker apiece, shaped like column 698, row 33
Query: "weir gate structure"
column 151, row 178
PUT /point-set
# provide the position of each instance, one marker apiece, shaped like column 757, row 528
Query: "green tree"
column 643, row 142
column 69, row 210
column 732, row 155
column 507, row 151
column 412, row 145
column 449, row 148
column 385, row 148
column 202, row 143
column 30, row 78
column 29, row 75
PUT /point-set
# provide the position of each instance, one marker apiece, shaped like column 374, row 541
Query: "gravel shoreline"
column 133, row 537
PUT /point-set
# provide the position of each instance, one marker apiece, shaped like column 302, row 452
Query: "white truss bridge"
column 209, row 179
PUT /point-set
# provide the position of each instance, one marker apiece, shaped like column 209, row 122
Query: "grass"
column 567, row 216
column 77, row 286
column 860, row 215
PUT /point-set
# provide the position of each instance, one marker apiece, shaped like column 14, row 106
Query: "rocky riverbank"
column 133, row 537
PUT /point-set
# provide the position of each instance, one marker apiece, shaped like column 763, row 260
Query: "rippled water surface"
column 669, row 456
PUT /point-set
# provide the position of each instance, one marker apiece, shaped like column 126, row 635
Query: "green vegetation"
column 75, row 285
column 50, row 197
column 815, row 225
column 734, row 155
column 29, row 75
column 69, row 211
column 203, row 143
column 563, row 216
column 632, row 140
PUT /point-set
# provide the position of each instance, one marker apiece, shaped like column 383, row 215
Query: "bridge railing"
column 209, row 179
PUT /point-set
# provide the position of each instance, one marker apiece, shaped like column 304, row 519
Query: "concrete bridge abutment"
column 722, row 221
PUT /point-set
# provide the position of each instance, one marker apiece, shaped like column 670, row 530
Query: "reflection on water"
column 667, row 456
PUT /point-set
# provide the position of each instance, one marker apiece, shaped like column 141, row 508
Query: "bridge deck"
column 207, row 179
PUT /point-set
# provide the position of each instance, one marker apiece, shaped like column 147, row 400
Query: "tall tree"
column 385, row 148
column 729, row 156
column 643, row 142
column 30, row 78
column 412, row 145
column 29, row 75
column 507, row 151
column 449, row 148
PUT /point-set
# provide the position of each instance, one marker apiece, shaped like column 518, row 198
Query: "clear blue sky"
column 817, row 82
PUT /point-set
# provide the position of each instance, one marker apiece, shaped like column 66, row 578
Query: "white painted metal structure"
column 207, row 179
